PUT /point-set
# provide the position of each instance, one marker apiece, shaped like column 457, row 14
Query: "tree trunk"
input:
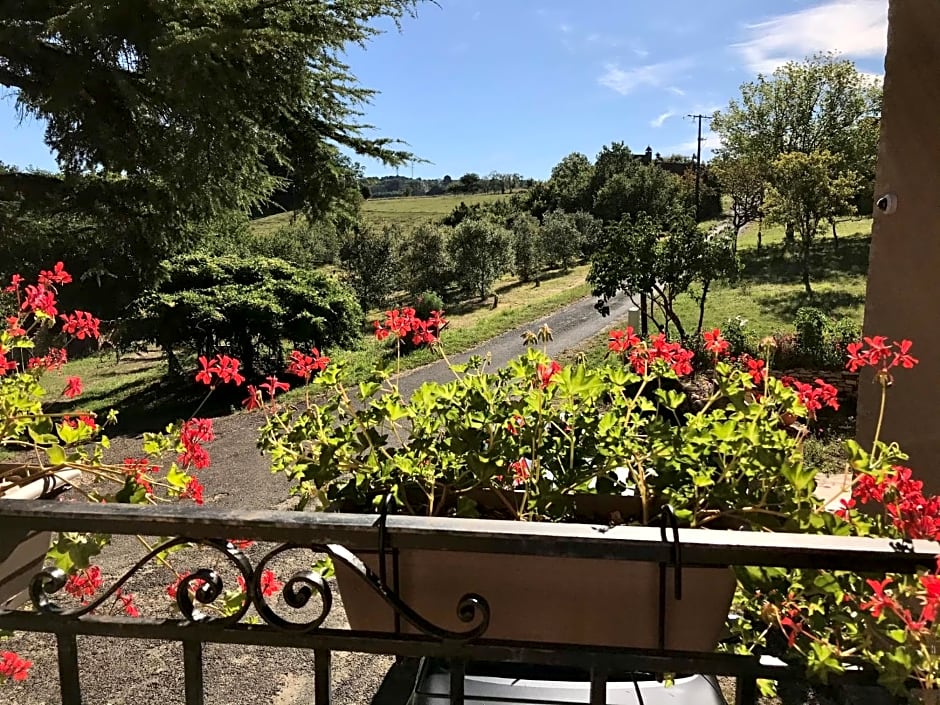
column 835, row 234
column 760, row 233
column 789, row 234
column 701, row 306
column 806, row 251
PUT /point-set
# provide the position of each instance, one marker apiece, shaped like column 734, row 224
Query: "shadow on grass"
column 785, row 305
column 475, row 303
column 782, row 264
column 150, row 406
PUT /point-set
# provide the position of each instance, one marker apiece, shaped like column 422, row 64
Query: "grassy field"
column 145, row 399
column 404, row 212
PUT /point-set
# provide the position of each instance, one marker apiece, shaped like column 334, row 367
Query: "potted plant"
column 536, row 441
column 52, row 451
column 831, row 621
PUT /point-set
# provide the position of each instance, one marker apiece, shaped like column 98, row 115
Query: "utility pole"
column 698, row 162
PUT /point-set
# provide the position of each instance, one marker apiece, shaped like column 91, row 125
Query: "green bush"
column 370, row 261
column 426, row 302
column 246, row 306
column 423, row 260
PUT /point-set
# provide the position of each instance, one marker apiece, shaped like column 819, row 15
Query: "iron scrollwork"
column 205, row 585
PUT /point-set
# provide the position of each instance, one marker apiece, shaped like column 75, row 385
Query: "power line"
column 698, row 161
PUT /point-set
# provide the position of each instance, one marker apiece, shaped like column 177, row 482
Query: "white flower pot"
column 22, row 553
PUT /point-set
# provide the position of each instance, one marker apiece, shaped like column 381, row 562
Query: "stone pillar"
column 903, row 299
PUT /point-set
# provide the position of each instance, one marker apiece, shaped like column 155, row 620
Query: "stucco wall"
column 903, row 299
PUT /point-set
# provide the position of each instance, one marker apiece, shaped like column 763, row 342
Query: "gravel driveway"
column 125, row 672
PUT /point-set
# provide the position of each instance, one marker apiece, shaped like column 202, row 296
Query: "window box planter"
column 22, row 553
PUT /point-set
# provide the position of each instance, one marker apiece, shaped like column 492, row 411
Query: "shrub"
column 740, row 339
column 426, row 302
column 247, row 307
column 484, row 252
column 561, row 239
column 423, row 260
column 368, row 256
column 527, row 247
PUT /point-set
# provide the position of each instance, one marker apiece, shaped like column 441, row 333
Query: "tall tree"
column 823, row 103
column 640, row 189
column 808, row 188
column 665, row 260
column 527, row 248
column 213, row 103
column 570, row 183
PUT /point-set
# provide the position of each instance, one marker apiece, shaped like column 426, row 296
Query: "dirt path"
column 125, row 672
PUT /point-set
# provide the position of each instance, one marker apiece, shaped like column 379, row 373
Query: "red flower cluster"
column 547, row 372
column 14, row 285
column 756, row 368
column 642, row 356
column 193, row 491
column 14, row 327
column 405, row 322
column 253, row 400
column 915, row 515
column 38, row 299
column 13, row 667
column 173, row 588
column 84, row 584
column 269, row 583
column 82, row 419
column 81, row 324
column 139, row 468
column 520, row 471
column 814, row 398
column 273, row 386
column 58, row 275
column 305, row 365
column 222, row 368
column 194, row 433
column 73, row 387
column 881, row 600
column 514, row 424
column 715, row 344
column 6, row 365
column 127, row 603
column 880, row 354
column 52, row 360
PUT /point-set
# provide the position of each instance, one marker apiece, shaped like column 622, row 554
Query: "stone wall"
column 846, row 382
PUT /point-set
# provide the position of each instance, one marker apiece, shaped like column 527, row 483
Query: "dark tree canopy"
column 211, row 103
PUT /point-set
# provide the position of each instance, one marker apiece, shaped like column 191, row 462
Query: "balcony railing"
column 343, row 536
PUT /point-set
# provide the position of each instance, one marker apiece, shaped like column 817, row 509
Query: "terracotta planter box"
column 544, row 599
column 22, row 553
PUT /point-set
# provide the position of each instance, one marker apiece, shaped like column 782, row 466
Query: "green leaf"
column 56, row 455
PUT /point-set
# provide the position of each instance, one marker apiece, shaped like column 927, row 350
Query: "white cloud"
column 564, row 28
column 856, row 28
column 660, row 119
column 710, row 142
column 625, row 81
column 676, row 91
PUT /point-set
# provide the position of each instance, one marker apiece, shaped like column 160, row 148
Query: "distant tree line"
column 469, row 183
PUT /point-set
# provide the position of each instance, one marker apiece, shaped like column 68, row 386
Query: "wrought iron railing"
column 342, row 536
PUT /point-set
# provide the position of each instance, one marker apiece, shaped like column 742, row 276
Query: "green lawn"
column 404, row 212
column 771, row 290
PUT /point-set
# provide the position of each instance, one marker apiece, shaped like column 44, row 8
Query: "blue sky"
column 514, row 85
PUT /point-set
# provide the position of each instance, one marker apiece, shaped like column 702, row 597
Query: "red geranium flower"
column 73, row 387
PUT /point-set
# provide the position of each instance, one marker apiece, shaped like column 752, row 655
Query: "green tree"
column 371, row 269
column 642, row 254
column 820, row 104
column 570, row 183
column 527, row 247
column 423, row 260
column 807, row 189
column 213, row 104
column 481, row 251
column 248, row 305
column 470, row 182
column 642, row 189
column 741, row 178
column 561, row 239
